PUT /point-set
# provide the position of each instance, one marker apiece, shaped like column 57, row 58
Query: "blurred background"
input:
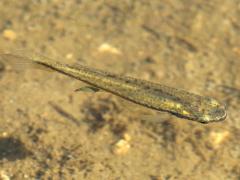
column 48, row 131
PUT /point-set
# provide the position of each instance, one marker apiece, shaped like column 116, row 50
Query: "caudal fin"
column 20, row 62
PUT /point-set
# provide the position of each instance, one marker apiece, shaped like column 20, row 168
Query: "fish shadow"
column 12, row 149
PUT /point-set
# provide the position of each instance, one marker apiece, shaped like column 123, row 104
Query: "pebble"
column 121, row 147
column 4, row 134
column 216, row 138
column 69, row 56
column 9, row 34
column 105, row 47
column 126, row 137
column 4, row 176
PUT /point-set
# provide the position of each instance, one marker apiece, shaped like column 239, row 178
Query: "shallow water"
column 49, row 130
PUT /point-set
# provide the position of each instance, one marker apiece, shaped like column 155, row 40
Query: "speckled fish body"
column 152, row 95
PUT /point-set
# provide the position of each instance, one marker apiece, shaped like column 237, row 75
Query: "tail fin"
column 20, row 61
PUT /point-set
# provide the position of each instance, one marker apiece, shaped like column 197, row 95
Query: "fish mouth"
column 219, row 114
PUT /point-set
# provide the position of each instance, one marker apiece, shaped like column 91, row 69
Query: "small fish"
column 178, row 102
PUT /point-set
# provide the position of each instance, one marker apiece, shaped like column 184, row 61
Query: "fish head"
column 210, row 110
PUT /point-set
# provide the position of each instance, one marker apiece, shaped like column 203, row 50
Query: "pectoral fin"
column 88, row 89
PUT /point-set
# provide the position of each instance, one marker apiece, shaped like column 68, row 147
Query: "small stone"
column 4, row 176
column 217, row 138
column 69, row 56
column 4, row 134
column 26, row 176
column 105, row 47
column 127, row 137
column 121, row 147
column 9, row 34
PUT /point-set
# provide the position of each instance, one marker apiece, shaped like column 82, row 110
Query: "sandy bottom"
column 49, row 131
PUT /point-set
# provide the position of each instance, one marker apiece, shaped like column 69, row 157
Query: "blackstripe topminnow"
column 178, row 102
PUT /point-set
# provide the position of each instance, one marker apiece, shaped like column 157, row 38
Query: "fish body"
column 152, row 95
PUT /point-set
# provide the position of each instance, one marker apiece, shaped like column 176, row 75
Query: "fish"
column 178, row 102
